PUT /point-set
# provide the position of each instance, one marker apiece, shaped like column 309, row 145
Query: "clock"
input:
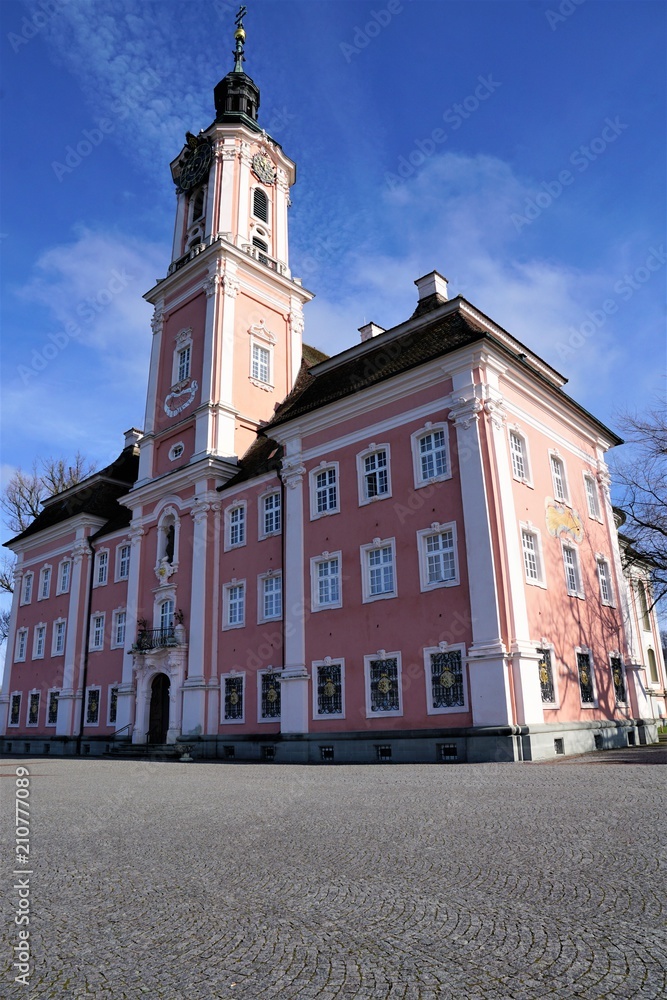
column 263, row 169
column 195, row 167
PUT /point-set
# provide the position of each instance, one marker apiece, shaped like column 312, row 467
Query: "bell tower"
column 228, row 315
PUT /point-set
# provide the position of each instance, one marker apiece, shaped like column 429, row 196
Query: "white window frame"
column 30, row 693
column 101, row 568
column 266, row 339
column 422, row 535
column 615, row 655
column 226, row 591
column 591, row 665
column 529, row 528
column 110, row 688
column 327, row 662
column 59, row 583
column 591, row 480
column 233, row 675
column 600, row 561
column 555, row 456
column 40, row 630
column 551, row 705
column 92, row 646
column 183, row 342
column 261, row 583
column 21, row 633
column 365, row 550
column 278, row 718
column 579, row 592
column 261, row 507
column 176, row 451
column 49, row 695
column 415, row 439
column 527, row 477
column 242, row 506
column 45, row 577
column 183, row 362
column 445, row 648
column 382, row 654
column 647, row 672
column 27, row 584
column 314, row 581
column 114, row 644
column 54, row 645
column 119, row 561
column 92, row 725
column 19, row 695
column 323, row 467
column 372, row 449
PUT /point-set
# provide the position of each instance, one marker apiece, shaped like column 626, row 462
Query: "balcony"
column 150, row 639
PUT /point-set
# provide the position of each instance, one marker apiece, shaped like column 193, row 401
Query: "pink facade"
column 403, row 552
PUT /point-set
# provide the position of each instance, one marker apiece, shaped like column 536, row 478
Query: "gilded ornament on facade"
column 562, row 520
column 544, row 676
column 584, row 678
column 234, row 698
column 329, row 688
column 272, row 695
column 447, row 679
column 384, row 684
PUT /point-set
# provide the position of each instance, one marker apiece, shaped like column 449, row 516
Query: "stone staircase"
column 146, row 751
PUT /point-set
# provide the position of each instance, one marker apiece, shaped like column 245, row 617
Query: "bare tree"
column 642, row 477
column 4, row 625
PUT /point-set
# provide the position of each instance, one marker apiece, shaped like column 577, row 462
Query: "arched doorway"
column 158, row 723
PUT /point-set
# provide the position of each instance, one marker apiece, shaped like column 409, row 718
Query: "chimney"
column 133, row 437
column 432, row 284
column 369, row 331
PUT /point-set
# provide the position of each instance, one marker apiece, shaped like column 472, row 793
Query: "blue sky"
column 517, row 147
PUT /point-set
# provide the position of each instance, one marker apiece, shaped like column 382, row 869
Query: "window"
column 269, row 696
column 52, row 708
column 33, row 708
column 437, row 556
column 58, row 647
column 519, row 454
column 383, row 684
column 572, row 575
column 373, row 466
column 445, row 680
column 378, row 570
column 261, row 245
column 261, row 364
column 270, row 597
column 112, row 710
column 167, row 609
column 102, row 570
column 93, row 706
column 533, row 564
column 585, row 672
column 652, row 666
column 328, row 697
column 15, row 710
column 260, row 205
column 39, row 642
column 233, row 698
column 546, row 675
column 26, row 593
column 604, row 576
column 123, row 562
column 97, row 631
column 618, row 677
column 592, row 497
column 181, row 364
column 430, row 453
column 64, row 576
column 198, row 204
column 234, row 604
column 119, row 628
column 176, row 451
column 324, row 490
column 271, row 519
column 21, row 645
column 558, row 478
column 643, row 607
column 44, row 583
column 184, row 363
column 326, row 581
column 236, row 526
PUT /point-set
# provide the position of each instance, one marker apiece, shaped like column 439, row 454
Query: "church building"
column 404, row 552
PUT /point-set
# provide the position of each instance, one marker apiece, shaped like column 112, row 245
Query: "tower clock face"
column 263, row 169
column 195, row 168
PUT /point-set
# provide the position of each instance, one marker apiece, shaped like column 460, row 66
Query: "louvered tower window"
column 260, row 205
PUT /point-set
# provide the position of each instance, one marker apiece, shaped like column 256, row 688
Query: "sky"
column 516, row 147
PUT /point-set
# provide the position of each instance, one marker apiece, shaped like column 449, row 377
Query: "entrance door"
column 159, row 714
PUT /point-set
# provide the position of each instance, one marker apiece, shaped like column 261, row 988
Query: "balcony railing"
column 159, row 638
column 261, row 255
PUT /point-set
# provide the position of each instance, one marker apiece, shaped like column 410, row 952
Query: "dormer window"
column 260, row 205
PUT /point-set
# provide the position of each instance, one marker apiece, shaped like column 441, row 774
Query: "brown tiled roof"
column 262, row 456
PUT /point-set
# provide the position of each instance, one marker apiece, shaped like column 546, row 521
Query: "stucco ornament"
column 180, row 397
column 562, row 520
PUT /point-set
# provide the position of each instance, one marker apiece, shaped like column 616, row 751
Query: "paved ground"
column 173, row 881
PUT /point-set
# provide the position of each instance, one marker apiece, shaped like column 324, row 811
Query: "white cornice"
column 55, row 532
column 153, row 490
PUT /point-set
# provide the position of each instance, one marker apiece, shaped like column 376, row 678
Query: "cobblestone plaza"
column 177, row 881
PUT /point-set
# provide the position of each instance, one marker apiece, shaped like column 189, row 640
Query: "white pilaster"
column 75, row 639
column 244, row 192
column 179, row 226
column 194, row 687
column 226, row 216
column 10, row 647
column 296, row 340
column 280, row 216
column 213, row 710
column 125, row 710
column 294, row 679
